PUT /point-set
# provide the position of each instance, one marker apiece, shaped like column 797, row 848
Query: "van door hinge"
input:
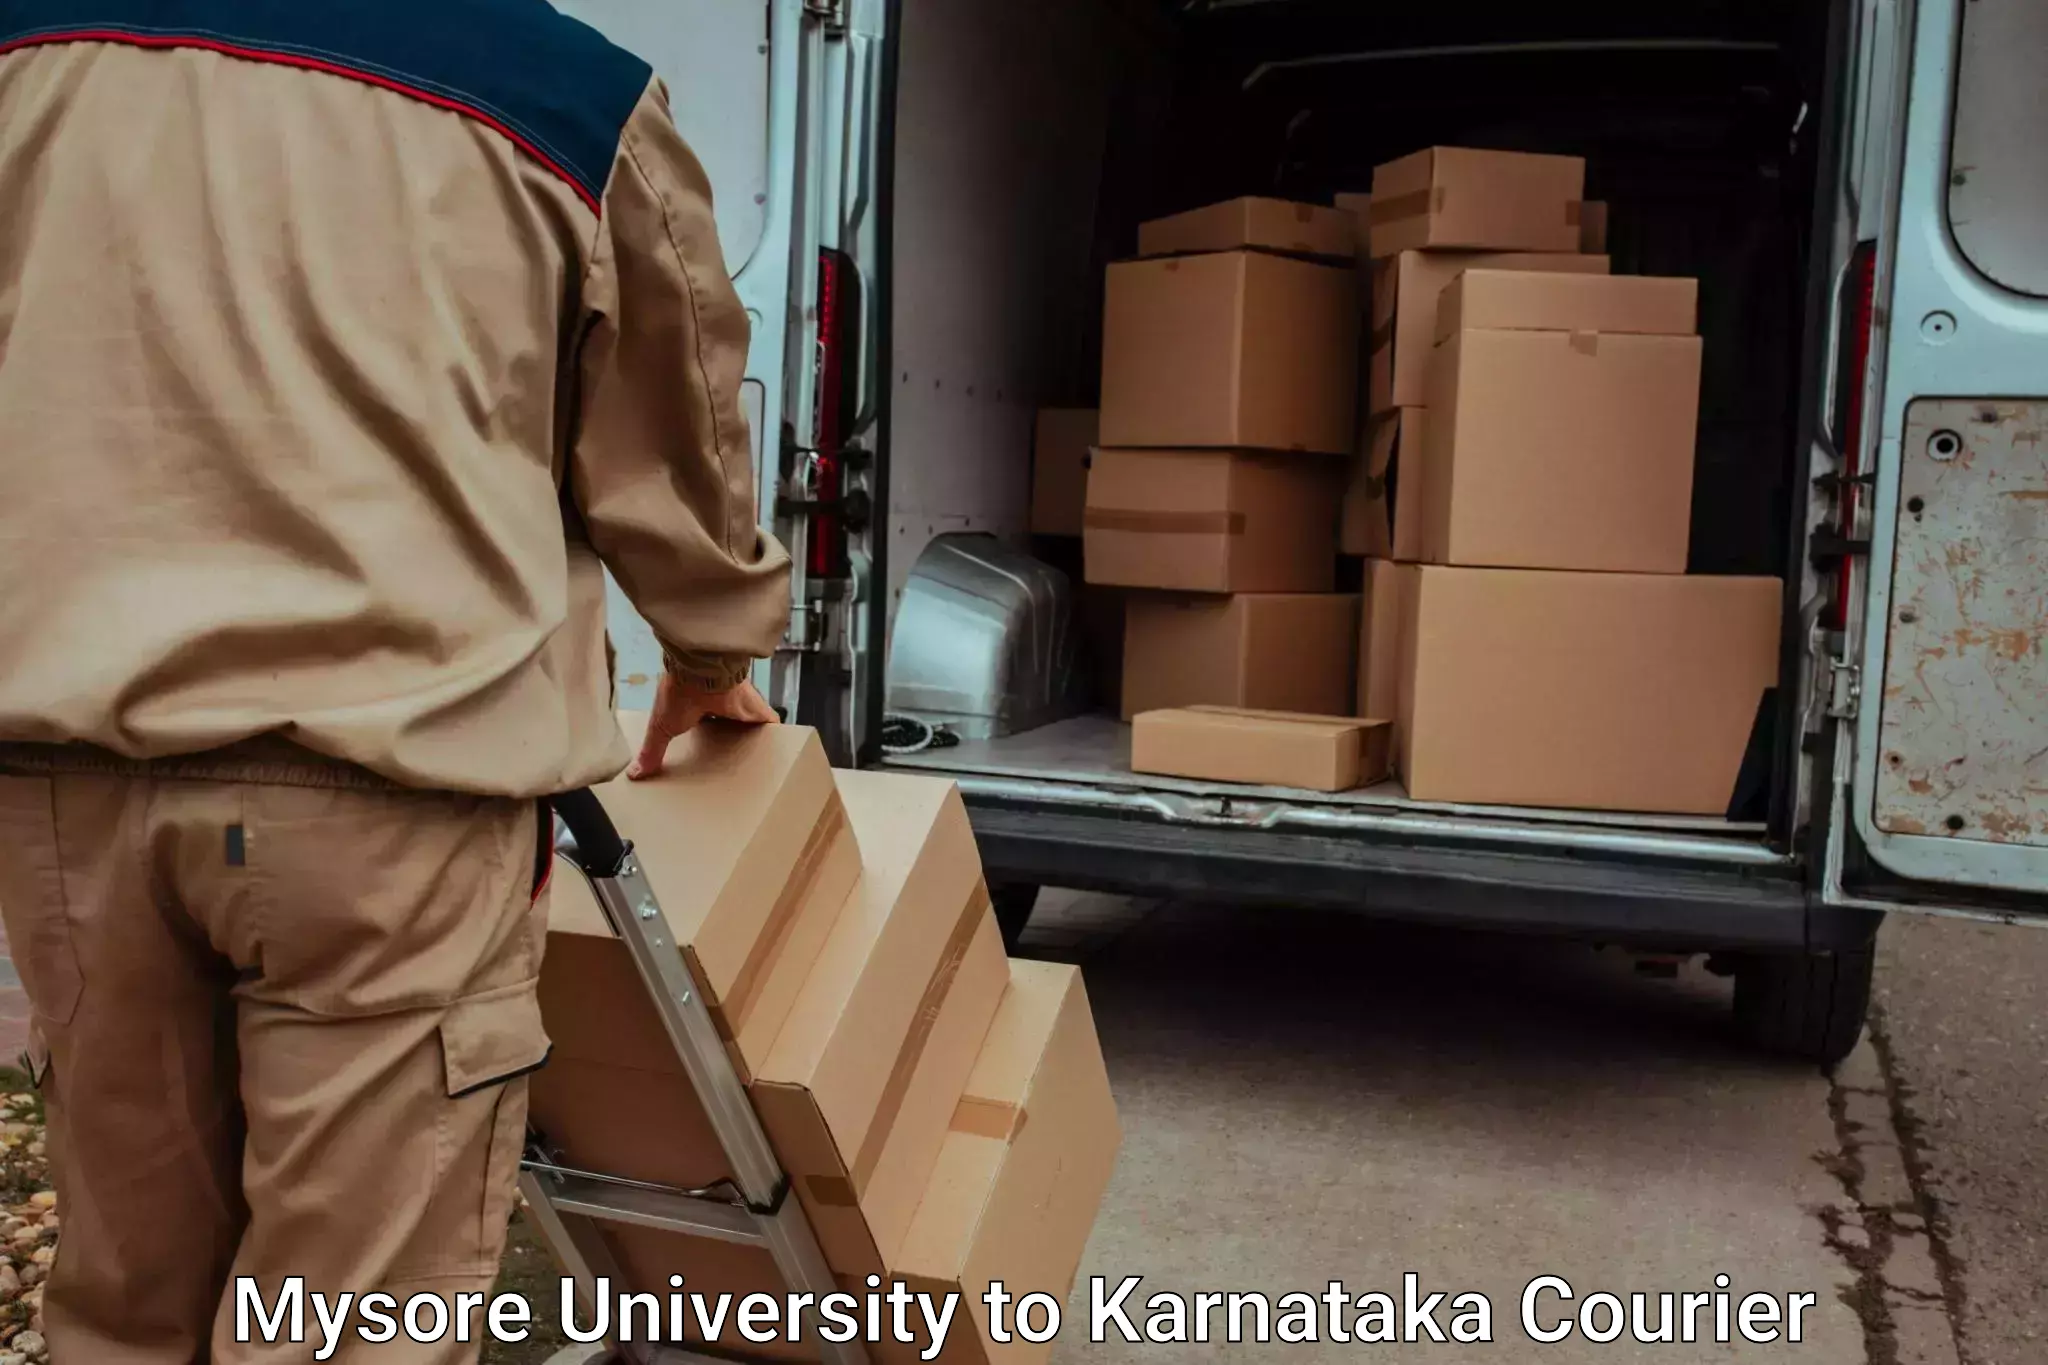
column 832, row 12
column 1845, row 689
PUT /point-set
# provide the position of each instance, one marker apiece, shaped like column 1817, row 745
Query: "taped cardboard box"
column 859, row 1088
column 1359, row 206
column 1382, row 637
column 1269, row 651
column 1028, row 1155
column 1059, row 469
column 1559, row 448
column 1212, row 520
column 748, row 849
column 1460, row 197
column 1267, row 748
column 1254, row 223
column 1241, row 350
column 1383, row 510
column 1593, row 691
column 1405, row 294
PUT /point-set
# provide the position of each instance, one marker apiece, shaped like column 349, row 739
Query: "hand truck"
column 754, row 1207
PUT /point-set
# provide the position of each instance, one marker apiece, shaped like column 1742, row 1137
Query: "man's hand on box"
column 680, row 705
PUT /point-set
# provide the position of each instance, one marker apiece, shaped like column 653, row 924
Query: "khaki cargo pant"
column 283, row 1016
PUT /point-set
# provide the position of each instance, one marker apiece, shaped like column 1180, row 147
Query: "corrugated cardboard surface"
column 1593, row 226
column 1015, row 1192
column 859, row 1087
column 1232, row 744
column 1462, row 197
column 1558, row 450
column 1381, row 642
column 1535, row 300
column 1598, row 691
column 1257, row 223
column 1212, row 520
column 1236, row 349
column 748, row 850
column 1359, row 206
column 1272, row 651
column 1059, row 469
column 1406, row 293
column 1391, row 465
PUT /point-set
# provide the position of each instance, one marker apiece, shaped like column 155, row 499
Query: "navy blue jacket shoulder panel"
column 551, row 84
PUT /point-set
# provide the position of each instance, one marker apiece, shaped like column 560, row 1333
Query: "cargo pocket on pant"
column 490, row 1044
column 32, row 899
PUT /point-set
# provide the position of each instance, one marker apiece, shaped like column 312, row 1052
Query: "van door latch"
column 1845, row 689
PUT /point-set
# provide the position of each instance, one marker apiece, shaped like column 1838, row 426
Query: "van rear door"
column 738, row 72
column 1943, row 797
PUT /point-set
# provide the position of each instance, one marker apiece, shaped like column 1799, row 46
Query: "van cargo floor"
column 1095, row 752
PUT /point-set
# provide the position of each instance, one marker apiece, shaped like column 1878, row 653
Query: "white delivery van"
column 919, row 198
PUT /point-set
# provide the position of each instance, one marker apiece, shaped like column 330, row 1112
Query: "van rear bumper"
column 1645, row 903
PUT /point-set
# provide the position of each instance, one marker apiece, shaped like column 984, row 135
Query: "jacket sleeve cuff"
column 710, row 672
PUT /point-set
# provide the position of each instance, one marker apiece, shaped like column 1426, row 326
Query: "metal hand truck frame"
column 754, row 1207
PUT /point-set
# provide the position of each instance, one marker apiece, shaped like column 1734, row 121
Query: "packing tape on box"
column 1586, row 343
column 731, row 1014
column 1412, row 205
column 1164, row 523
column 1431, row 200
column 987, row 1118
column 911, row 1053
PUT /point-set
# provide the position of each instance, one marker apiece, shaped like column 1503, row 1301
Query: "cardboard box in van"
column 1238, row 349
column 1059, row 469
column 1563, row 417
column 1381, row 641
column 1269, row 748
column 1463, row 198
column 1592, row 691
column 1593, row 227
column 1212, row 520
column 1258, row 224
column 1029, row 1151
column 1269, row 651
column 1383, row 497
column 1405, row 292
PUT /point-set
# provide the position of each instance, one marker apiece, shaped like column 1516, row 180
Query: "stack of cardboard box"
column 1229, row 396
column 1527, row 620
column 840, row 929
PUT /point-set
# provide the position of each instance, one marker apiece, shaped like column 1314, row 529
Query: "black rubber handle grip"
column 600, row 852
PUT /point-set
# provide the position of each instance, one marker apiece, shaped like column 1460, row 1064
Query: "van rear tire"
column 1807, row 1006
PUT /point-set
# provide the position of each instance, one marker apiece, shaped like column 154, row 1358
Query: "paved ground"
column 1315, row 1097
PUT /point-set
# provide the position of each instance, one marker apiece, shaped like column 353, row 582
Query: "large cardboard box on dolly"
column 1564, row 411
column 1260, row 224
column 859, row 1088
column 1594, row 691
column 1059, row 469
column 1237, row 349
column 1460, row 197
column 1212, row 520
column 1266, row 748
column 1269, row 651
column 1027, row 1156
column 1406, row 291
column 859, row 1084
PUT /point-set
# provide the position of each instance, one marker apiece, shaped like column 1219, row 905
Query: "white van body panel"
column 1949, row 765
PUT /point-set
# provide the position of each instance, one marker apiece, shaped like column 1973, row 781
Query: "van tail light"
column 1852, row 383
column 838, row 394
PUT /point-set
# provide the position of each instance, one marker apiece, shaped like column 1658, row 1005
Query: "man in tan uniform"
column 339, row 343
